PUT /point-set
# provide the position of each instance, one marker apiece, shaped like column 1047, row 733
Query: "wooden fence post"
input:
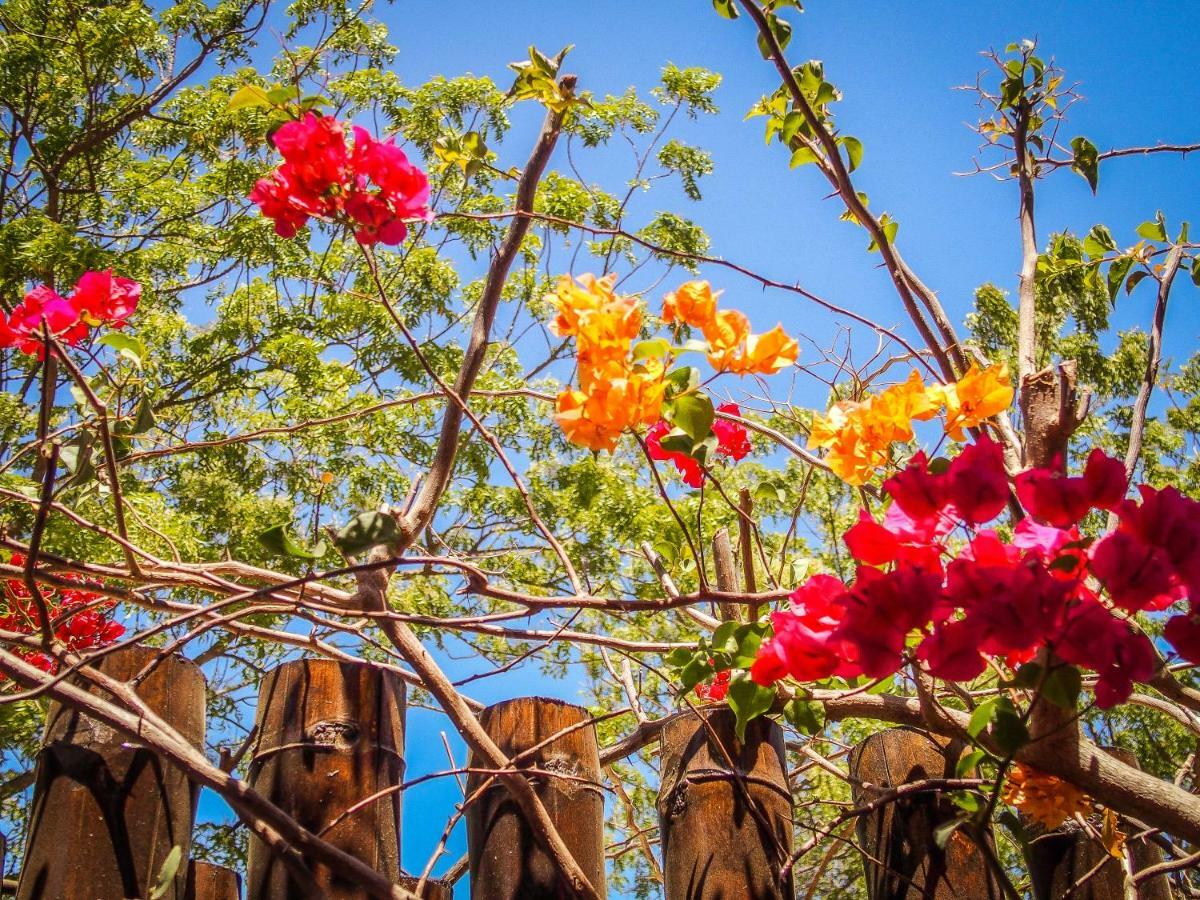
column 1060, row 858
column 725, row 830
column 434, row 889
column 106, row 811
column 506, row 861
column 208, row 881
column 329, row 735
column 900, row 856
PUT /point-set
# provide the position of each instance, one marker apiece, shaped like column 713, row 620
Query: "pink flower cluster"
column 996, row 598
column 99, row 298
column 80, row 618
column 373, row 185
column 732, row 442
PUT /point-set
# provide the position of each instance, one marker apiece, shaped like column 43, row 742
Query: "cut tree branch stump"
column 900, row 856
column 725, row 809
column 507, row 860
column 107, row 812
column 330, row 735
column 208, row 881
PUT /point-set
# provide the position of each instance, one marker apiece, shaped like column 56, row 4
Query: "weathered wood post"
column 725, row 830
column 433, row 890
column 900, row 856
column 106, row 810
column 1060, row 858
column 330, row 735
column 208, row 881
column 507, row 863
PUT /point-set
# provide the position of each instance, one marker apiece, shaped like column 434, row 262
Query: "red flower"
column 42, row 305
column 804, row 645
column 732, row 438
column 1062, row 500
column 918, row 492
column 716, row 691
column 976, row 482
column 1136, row 574
column 952, row 652
column 1183, row 632
column 101, row 297
column 1092, row 636
column 881, row 609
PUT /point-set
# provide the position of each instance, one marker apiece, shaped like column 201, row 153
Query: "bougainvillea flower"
column 976, row 397
column 976, row 483
column 1183, row 632
column 103, row 298
column 1092, row 636
column 916, row 490
column 693, row 303
column 804, row 645
column 1048, row 800
column 1136, row 574
column 733, row 440
column 717, row 689
column 951, row 652
column 1057, row 499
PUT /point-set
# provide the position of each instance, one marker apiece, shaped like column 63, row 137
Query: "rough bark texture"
column 330, row 735
column 106, row 810
column 725, row 810
column 507, row 861
column 208, row 881
column 901, row 859
column 433, row 890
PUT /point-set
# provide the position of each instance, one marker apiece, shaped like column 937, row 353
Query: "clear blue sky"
column 896, row 64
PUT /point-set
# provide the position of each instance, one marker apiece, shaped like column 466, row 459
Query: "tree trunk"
column 434, row 890
column 507, row 862
column 901, row 858
column 330, row 735
column 207, row 881
column 106, row 812
column 725, row 809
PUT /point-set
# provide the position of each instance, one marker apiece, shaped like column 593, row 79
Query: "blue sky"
column 896, row 65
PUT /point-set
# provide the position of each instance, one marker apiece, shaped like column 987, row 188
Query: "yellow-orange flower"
column 977, row 396
column 614, row 394
column 1044, row 798
column 764, row 354
column 694, row 303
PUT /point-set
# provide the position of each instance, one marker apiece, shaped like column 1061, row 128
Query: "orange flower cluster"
column 614, row 392
column 1043, row 798
column 859, row 435
column 731, row 346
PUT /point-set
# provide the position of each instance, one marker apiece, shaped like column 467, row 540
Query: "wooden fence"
column 328, row 748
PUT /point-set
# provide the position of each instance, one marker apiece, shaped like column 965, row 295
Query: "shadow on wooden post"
column 329, row 735
column 506, row 861
column 900, row 856
column 1059, row 859
column 726, row 832
column 434, row 890
column 106, row 812
column 208, row 881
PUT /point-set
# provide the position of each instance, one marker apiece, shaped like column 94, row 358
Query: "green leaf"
column 250, row 95
column 694, row 414
column 366, row 530
column 1008, row 730
column 1086, row 161
column 166, row 873
column 982, row 716
column 801, row 157
column 279, row 541
column 696, row 671
column 724, row 634
column 1062, row 686
column 748, row 700
column 1196, row 271
column 681, row 380
column 1116, row 275
column 653, row 348
column 1098, row 242
column 1154, row 231
column 854, row 152
column 966, row 800
column 781, row 30
column 677, row 441
column 679, row 657
column 968, row 763
column 283, row 94
column 806, row 716
column 942, row 833
column 125, row 345
column 145, row 419
column 726, row 8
